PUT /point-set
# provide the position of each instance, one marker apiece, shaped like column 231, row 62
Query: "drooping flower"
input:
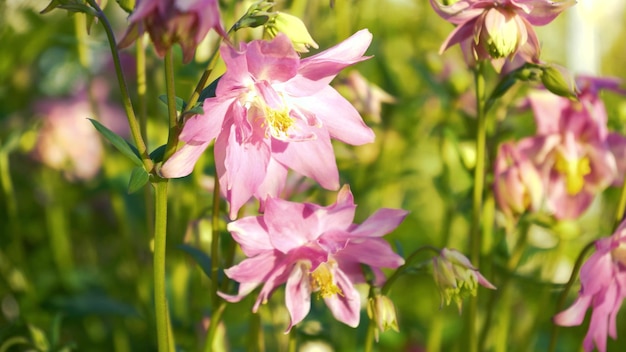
column 498, row 29
column 517, row 184
column 456, row 277
column 603, row 289
column 272, row 112
column 312, row 248
column 185, row 22
column 572, row 148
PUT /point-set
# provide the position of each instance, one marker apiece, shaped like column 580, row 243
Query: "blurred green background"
column 75, row 247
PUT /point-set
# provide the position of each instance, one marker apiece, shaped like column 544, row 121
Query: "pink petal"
column 463, row 32
column 290, row 224
column 251, row 234
column 298, row 295
column 274, row 60
column 273, row 184
column 330, row 61
column 374, row 252
column 206, row 127
column 245, row 166
column 543, row 11
column 575, row 314
column 182, row 163
column 617, row 146
column 346, row 307
column 338, row 116
column 459, row 12
column 381, row 223
column 314, row 159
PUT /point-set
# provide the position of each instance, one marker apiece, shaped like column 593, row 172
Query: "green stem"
column 566, row 289
column 407, row 264
column 477, row 200
column 293, row 340
column 172, row 137
column 140, row 62
column 621, row 206
column 370, row 336
column 135, row 130
column 216, row 317
column 160, row 232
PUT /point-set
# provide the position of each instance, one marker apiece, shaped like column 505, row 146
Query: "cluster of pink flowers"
column 569, row 160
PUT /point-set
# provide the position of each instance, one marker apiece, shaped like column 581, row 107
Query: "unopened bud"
column 294, row 28
column 382, row 311
column 558, row 82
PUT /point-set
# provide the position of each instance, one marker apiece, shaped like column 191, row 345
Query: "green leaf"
column 158, row 153
column 201, row 258
column 118, row 142
column 38, row 337
column 196, row 110
column 209, row 91
column 180, row 103
column 138, row 178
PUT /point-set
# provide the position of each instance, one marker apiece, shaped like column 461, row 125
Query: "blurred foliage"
column 75, row 255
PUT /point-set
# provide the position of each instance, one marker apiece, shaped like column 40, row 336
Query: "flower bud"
column 558, row 81
column 295, row 30
column 382, row 310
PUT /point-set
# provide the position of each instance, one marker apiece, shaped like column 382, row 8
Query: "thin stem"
column 202, row 83
column 126, row 102
column 407, row 263
column 370, row 336
column 216, row 317
column 293, row 340
column 160, row 232
column 477, row 200
column 566, row 289
column 172, row 137
column 621, row 206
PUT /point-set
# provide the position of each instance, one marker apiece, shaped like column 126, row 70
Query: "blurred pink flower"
column 366, row 97
column 67, row 141
column 185, row 22
column 312, row 248
column 603, row 288
column 572, row 148
column 274, row 111
column 517, row 186
column 456, row 277
column 498, row 29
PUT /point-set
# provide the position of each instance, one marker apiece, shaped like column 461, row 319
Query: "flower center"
column 574, row 171
column 502, row 39
column 278, row 122
column 322, row 280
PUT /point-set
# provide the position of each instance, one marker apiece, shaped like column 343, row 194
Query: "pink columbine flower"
column 603, row 288
column 185, row 22
column 498, row 29
column 272, row 112
column 517, row 185
column 312, row 248
column 572, row 148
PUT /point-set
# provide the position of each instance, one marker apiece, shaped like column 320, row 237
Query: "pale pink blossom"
column 272, row 112
column 312, row 248
column 185, row 22
column 498, row 29
column 572, row 148
column 603, row 289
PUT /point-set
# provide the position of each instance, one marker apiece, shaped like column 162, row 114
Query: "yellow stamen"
column 278, row 121
column 322, row 280
column 574, row 171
